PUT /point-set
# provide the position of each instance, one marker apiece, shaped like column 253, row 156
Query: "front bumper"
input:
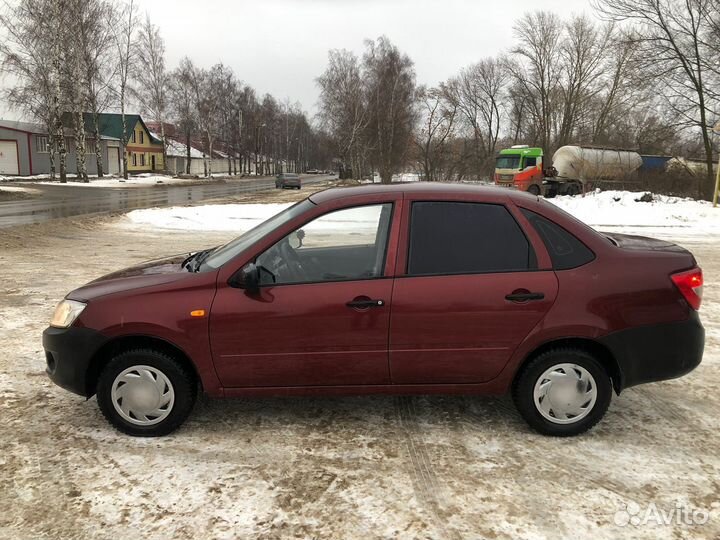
column 68, row 353
column 658, row 352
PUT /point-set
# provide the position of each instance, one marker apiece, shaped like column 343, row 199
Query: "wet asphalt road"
column 58, row 201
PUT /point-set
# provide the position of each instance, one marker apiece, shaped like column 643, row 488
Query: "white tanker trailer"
column 572, row 168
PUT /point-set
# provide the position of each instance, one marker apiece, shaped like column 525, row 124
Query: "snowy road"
column 370, row 467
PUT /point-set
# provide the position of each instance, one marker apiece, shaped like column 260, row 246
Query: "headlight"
column 66, row 312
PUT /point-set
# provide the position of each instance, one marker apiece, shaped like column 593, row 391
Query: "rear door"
column 471, row 292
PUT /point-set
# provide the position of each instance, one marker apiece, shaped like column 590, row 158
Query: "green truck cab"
column 521, row 167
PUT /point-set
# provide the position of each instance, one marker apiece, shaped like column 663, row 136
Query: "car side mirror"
column 251, row 277
column 248, row 278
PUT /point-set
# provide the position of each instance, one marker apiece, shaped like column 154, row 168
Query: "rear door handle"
column 365, row 303
column 525, row 296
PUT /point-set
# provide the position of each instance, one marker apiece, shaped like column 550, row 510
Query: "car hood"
column 147, row 274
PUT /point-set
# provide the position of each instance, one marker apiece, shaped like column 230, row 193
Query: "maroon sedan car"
column 402, row 289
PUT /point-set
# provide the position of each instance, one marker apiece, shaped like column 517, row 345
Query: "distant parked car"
column 403, row 289
column 312, row 171
column 288, row 180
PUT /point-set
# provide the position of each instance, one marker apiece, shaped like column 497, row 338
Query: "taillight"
column 690, row 284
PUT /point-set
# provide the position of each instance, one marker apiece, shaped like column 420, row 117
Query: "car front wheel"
column 145, row 393
column 562, row 392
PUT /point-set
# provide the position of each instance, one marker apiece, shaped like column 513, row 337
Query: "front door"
column 470, row 295
column 323, row 311
column 9, row 163
column 113, row 160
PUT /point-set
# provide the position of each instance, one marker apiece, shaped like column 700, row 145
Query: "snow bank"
column 608, row 210
column 145, row 179
column 664, row 216
column 242, row 217
column 211, row 217
column 17, row 189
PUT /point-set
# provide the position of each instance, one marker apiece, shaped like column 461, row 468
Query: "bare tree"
column 389, row 78
column 672, row 35
column 582, row 56
column 31, row 54
column 343, row 108
column 152, row 77
column 535, row 70
column 183, row 104
column 477, row 93
column 124, row 37
column 437, row 116
column 94, row 35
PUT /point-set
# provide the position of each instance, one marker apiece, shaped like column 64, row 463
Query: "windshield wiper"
column 193, row 262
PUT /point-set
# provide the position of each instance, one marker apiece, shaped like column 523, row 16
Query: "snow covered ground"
column 333, row 467
column 664, row 216
column 146, row 179
column 211, row 217
column 139, row 180
column 607, row 210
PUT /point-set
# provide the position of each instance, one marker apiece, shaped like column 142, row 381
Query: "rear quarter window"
column 565, row 250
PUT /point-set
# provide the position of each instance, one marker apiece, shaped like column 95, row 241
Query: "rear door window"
column 565, row 250
column 466, row 238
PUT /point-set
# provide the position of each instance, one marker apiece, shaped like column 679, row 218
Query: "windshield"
column 508, row 162
column 224, row 253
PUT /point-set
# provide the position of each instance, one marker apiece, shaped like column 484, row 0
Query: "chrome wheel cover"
column 565, row 393
column 143, row 395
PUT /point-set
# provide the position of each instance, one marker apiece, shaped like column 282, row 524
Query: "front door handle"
column 364, row 303
column 524, row 296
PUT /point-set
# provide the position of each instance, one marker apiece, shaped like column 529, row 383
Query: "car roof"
column 439, row 188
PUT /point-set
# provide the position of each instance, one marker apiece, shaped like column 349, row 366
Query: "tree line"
column 69, row 57
column 642, row 75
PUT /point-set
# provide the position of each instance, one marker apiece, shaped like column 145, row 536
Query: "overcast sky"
column 280, row 46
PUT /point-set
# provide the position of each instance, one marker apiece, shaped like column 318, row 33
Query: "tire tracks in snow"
column 426, row 485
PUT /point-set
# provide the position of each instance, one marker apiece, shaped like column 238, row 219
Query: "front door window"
column 344, row 245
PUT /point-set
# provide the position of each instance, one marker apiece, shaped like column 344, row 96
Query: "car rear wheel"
column 562, row 392
column 145, row 393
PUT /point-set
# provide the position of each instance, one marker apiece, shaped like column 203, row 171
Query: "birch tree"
column 124, row 38
column 389, row 77
column 343, row 108
column 183, row 108
column 152, row 78
column 95, row 40
column 31, row 32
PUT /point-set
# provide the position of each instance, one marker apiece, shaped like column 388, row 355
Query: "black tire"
column 534, row 189
column 183, row 385
column 573, row 189
column 524, row 387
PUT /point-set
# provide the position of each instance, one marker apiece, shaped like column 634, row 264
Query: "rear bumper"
column 68, row 352
column 658, row 352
